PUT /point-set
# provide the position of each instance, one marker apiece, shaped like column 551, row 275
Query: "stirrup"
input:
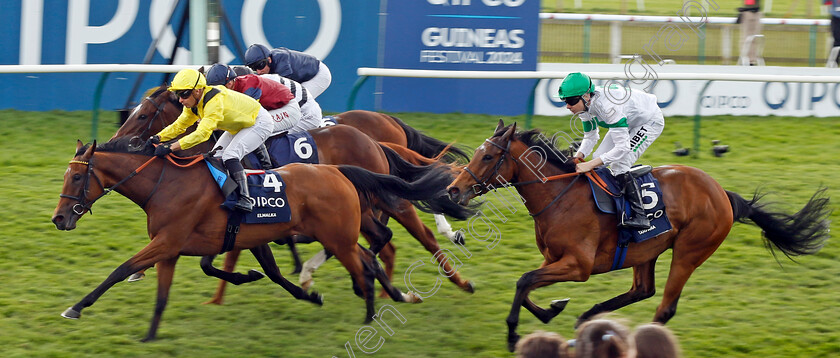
column 239, row 204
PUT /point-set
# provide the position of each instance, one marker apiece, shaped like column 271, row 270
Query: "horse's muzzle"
column 64, row 223
column 458, row 196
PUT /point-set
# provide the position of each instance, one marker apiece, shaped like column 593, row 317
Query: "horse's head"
column 81, row 187
column 154, row 113
column 491, row 166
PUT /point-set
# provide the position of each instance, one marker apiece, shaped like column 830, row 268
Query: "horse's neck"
column 114, row 167
column 538, row 195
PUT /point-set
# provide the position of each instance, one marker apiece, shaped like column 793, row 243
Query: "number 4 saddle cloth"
column 652, row 201
column 267, row 190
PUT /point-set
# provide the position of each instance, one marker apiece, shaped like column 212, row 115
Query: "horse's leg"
column 232, row 277
column 566, row 269
column 379, row 236
column 165, row 273
column 388, row 256
column 387, row 288
column 353, row 259
column 444, row 228
column 310, row 266
column 230, row 263
column 295, row 255
column 643, row 288
column 149, row 255
column 407, row 217
column 269, row 265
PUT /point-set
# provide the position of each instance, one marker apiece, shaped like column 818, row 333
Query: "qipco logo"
column 508, row 3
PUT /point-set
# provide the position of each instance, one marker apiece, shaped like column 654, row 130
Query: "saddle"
column 286, row 148
column 609, row 198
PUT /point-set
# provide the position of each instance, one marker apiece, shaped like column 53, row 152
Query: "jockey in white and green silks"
column 633, row 121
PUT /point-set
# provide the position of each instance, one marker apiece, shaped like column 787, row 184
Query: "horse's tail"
column 802, row 233
column 427, row 192
column 428, row 146
column 410, row 165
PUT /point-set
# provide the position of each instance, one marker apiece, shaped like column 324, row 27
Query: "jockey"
column 309, row 108
column 245, row 122
column 273, row 96
column 633, row 121
column 303, row 68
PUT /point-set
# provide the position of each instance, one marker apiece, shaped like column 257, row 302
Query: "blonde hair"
column 602, row 338
column 541, row 344
column 653, row 340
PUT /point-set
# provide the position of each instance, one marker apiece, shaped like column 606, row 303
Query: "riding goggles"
column 184, row 94
column 571, row 100
column 259, row 64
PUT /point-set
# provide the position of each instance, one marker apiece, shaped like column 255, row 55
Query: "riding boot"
column 633, row 194
column 243, row 203
column 264, row 158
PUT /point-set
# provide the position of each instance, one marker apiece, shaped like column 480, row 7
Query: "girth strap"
column 232, row 228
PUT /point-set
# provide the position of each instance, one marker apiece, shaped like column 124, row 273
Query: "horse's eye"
column 487, row 157
column 77, row 177
column 143, row 117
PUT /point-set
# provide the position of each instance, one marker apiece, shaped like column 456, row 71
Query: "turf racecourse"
column 740, row 303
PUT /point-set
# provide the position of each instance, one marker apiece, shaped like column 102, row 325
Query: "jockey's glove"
column 162, row 150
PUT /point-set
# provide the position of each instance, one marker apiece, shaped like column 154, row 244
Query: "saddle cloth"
column 327, row 121
column 267, row 189
column 652, row 202
column 286, row 148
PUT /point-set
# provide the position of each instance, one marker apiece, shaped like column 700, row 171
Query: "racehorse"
column 577, row 241
column 333, row 217
column 336, row 145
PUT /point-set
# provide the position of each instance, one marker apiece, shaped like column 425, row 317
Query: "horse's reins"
column 83, row 203
column 159, row 110
column 481, row 184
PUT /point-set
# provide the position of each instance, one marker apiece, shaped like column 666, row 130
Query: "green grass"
column 740, row 303
column 781, row 8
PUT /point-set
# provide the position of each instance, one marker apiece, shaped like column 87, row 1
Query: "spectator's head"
column 542, row 344
column 602, row 338
column 654, row 341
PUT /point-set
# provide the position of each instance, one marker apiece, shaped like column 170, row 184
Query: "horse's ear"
column 510, row 131
column 500, row 125
column 89, row 152
column 79, row 144
column 201, row 70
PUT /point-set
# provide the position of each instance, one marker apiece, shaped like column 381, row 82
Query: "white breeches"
column 318, row 84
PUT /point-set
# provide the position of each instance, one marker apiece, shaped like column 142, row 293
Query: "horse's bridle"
column 481, row 184
column 85, row 204
column 147, row 132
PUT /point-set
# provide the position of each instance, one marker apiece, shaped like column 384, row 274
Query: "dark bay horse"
column 332, row 218
column 577, row 240
column 336, row 145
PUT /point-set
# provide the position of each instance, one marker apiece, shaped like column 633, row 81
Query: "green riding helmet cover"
column 575, row 84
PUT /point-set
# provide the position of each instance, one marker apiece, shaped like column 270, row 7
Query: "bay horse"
column 578, row 241
column 333, row 217
column 339, row 144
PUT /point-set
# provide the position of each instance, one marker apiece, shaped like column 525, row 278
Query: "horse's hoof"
column 459, row 238
column 255, row 275
column 560, row 305
column 71, row 313
column 137, row 276
column 470, row 287
column 147, row 339
column 214, row 301
column 412, row 297
column 512, row 342
column 316, row 298
column 297, row 270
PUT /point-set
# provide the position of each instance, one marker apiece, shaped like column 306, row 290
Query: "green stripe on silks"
column 640, row 143
column 620, row 124
column 589, row 125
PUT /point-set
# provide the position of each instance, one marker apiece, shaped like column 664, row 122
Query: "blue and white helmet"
column 219, row 74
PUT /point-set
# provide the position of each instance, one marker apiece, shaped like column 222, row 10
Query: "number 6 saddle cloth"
column 286, row 148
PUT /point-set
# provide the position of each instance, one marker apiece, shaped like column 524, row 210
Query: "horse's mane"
column 531, row 138
column 132, row 145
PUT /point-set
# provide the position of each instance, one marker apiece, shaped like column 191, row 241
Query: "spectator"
column 750, row 18
column 541, row 344
column 653, row 340
column 834, row 10
column 602, row 338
